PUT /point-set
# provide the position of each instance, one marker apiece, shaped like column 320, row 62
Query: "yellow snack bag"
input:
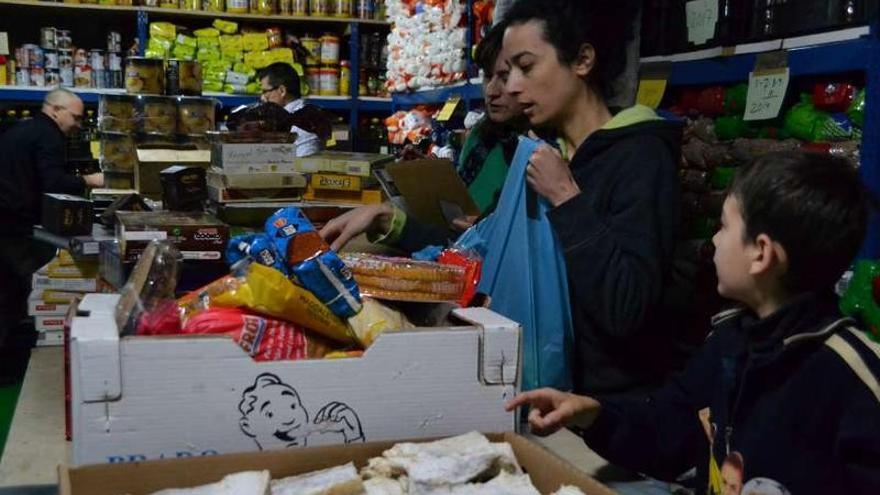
column 281, row 55
column 214, row 86
column 227, row 27
column 211, row 43
column 183, row 52
column 254, row 42
column 164, row 30
column 267, row 291
column 231, row 43
column 253, row 88
column 207, row 33
column 375, row 319
column 183, row 39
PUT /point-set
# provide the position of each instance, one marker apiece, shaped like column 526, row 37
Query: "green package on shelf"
column 833, row 127
column 722, row 177
column 735, row 99
column 860, row 298
column 800, row 120
column 730, row 127
column 856, row 109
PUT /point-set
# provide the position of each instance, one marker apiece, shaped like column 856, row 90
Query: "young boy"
column 785, row 390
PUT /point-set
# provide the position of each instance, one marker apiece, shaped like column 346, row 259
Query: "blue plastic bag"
column 524, row 272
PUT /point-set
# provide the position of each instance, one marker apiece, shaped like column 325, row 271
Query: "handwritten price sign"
column 702, row 15
column 766, row 93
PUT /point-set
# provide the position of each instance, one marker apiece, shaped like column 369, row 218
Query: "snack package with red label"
column 473, row 268
column 263, row 338
column 834, row 97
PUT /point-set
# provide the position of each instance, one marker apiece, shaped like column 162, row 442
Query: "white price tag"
column 766, row 94
column 702, row 15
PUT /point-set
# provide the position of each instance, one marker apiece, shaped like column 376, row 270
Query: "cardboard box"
column 49, row 323
column 183, row 188
column 228, row 195
column 67, row 215
column 39, row 307
column 365, row 197
column 242, row 158
column 547, row 471
column 63, row 284
column 152, row 161
column 52, row 338
column 342, row 162
column 198, row 236
column 257, row 180
column 143, row 398
column 335, row 182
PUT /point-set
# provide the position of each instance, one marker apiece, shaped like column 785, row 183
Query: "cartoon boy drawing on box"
column 273, row 415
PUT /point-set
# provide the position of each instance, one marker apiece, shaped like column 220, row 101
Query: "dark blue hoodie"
column 790, row 401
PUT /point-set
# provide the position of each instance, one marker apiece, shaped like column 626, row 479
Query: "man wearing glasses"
column 280, row 85
column 32, row 162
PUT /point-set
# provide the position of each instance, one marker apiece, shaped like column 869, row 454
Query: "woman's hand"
column 370, row 218
column 552, row 410
column 550, row 176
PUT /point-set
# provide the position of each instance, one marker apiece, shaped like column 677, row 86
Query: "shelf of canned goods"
column 55, row 30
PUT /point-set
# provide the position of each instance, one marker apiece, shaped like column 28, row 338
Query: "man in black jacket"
column 784, row 395
column 32, row 162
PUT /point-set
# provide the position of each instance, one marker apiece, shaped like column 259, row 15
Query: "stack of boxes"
column 55, row 286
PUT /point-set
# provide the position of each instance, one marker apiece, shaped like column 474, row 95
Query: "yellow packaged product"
column 257, row 60
column 183, row 39
column 227, row 27
column 206, row 56
column 73, row 271
column 231, row 43
column 375, row 319
column 253, row 88
column 208, row 43
column 214, row 5
column 281, row 55
column 254, row 42
column 207, row 33
column 214, row 86
column 164, row 30
column 64, row 258
column 184, row 52
column 267, row 291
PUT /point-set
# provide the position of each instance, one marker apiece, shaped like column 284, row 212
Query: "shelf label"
column 702, row 15
column 766, row 94
column 449, row 108
column 651, row 92
column 4, row 43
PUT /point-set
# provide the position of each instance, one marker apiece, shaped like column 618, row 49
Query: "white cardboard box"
column 38, row 307
column 64, row 284
column 140, row 398
column 49, row 323
column 54, row 338
column 243, row 158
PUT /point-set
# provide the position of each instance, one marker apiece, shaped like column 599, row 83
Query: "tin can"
column 21, row 58
column 65, row 59
column 299, row 7
column 66, row 77
column 63, row 39
column 80, row 57
column 365, row 9
column 329, row 81
column 82, row 76
column 344, row 78
column 213, row 5
column 47, row 38
column 191, row 4
column 22, row 77
column 114, row 41
column 38, row 77
column 342, row 8
column 53, row 77
column 96, row 59
column 32, row 56
column 319, row 8
column 329, row 49
column 285, row 7
column 114, row 61
column 313, row 79
column 237, row 6
column 313, row 49
column 168, row 4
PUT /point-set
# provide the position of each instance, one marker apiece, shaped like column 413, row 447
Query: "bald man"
column 32, row 162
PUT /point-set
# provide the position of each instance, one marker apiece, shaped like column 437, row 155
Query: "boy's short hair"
column 282, row 74
column 813, row 204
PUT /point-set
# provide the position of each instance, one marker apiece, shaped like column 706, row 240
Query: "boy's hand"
column 552, row 410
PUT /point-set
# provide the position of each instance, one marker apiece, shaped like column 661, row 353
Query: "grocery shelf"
column 825, row 53
column 284, row 19
column 467, row 90
column 18, row 93
column 375, row 103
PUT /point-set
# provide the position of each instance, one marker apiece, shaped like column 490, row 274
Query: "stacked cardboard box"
column 55, row 286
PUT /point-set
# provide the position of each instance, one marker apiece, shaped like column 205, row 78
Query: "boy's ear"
column 585, row 61
column 768, row 256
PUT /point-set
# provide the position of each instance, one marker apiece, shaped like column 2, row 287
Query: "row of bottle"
column 665, row 22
